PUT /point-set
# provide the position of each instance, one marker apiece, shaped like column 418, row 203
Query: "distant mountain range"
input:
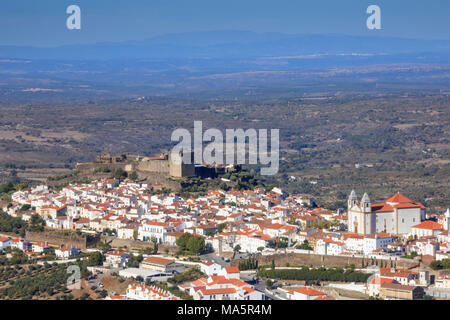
column 232, row 45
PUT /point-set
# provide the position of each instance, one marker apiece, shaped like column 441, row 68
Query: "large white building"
column 397, row 215
column 426, row 229
column 377, row 240
column 154, row 229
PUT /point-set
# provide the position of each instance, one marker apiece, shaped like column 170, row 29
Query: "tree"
column 96, row 259
column 237, row 248
column 191, row 243
column 133, row 176
column 36, row 223
column 25, row 207
column 183, row 240
column 273, row 264
column 220, row 227
column 269, row 284
column 196, row 245
column 304, row 246
column 155, row 244
column 135, row 235
column 84, row 296
column 119, row 173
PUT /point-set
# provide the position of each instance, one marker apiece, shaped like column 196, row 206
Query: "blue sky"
column 43, row 22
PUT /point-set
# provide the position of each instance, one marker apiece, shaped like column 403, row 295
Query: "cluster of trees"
column 103, row 246
column 11, row 224
column 162, row 191
column 134, row 261
column 118, row 173
column 190, row 244
column 173, row 289
column 18, row 258
column 304, row 246
column 53, row 279
column 325, row 224
column 95, row 259
column 8, row 188
column 221, row 226
column 249, row 264
column 440, row 264
column 412, row 255
column 36, row 223
column 189, row 275
column 133, row 176
column 197, row 185
column 246, row 180
column 320, row 274
column 379, row 263
column 102, row 170
column 63, row 176
column 282, row 243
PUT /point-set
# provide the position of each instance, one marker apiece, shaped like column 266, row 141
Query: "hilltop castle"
column 163, row 164
column 397, row 215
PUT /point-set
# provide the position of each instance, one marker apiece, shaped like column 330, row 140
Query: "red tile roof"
column 232, row 269
column 308, row 292
column 158, row 261
column 399, row 198
column 324, row 298
column 430, row 225
column 382, row 207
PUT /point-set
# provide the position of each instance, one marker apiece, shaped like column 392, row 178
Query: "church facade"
column 397, row 215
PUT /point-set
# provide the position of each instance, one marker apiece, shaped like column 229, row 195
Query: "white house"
column 20, row 244
column 40, row 247
column 5, row 243
column 329, row 247
column 378, row 240
column 304, row 293
column 154, row 229
column 161, row 265
column 230, row 273
column 66, row 252
column 443, row 282
column 375, row 285
column 116, row 259
column 222, row 288
column 251, row 242
column 426, row 228
column 210, row 268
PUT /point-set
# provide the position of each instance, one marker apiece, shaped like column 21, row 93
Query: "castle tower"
column 352, row 200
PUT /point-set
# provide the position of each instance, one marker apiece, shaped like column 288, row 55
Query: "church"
column 397, row 215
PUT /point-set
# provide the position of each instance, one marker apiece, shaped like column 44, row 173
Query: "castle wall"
column 317, row 260
column 160, row 166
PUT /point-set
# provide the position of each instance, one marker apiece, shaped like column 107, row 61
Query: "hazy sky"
column 43, row 22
